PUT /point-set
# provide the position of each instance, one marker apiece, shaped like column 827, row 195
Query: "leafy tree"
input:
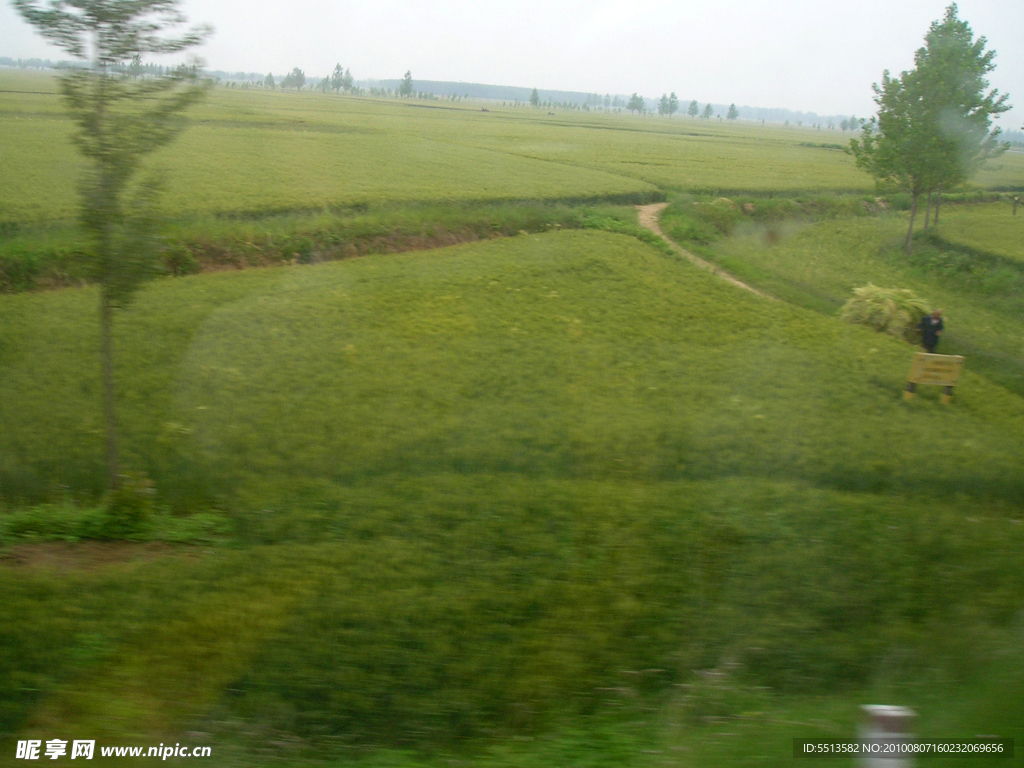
column 635, row 103
column 952, row 67
column 663, row 105
column 405, row 89
column 337, row 78
column 693, row 110
column 673, row 104
column 733, row 112
column 708, row 112
column 294, row 79
column 324, row 85
column 844, row 125
column 268, row 81
column 135, row 68
column 117, row 122
column 933, row 127
column 346, row 83
column 535, row 98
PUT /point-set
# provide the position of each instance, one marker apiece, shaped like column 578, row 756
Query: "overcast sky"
column 813, row 55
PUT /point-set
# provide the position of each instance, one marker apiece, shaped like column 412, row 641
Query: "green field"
column 561, row 456
column 548, row 496
column 263, row 152
column 970, row 267
column 992, row 229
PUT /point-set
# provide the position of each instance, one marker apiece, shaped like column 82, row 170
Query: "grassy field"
column 487, row 486
column 258, row 152
column 547, row 496
column 278, row 374
column 992, row 229
column 970, row 267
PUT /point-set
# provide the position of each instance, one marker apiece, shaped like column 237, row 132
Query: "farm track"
column 648, row 215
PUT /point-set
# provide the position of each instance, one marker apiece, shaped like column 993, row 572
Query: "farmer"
column 931, row 327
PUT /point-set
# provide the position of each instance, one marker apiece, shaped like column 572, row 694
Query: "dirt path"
column 649, row 220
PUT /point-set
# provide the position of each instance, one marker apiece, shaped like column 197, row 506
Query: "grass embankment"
column 971, row 266
column 50, row 257
column 489, row 483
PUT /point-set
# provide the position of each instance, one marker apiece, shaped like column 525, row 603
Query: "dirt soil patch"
column 86, row 555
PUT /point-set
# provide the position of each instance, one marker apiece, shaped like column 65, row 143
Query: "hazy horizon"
column 794, row 55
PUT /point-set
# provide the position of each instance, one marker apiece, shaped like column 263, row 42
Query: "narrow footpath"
column 648, row 215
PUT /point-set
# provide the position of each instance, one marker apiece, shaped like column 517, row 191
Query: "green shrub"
column 128, row 508
column 723, row 214
column 66, row 521
column 52, row 522
column 895, row 311
column 179, row 260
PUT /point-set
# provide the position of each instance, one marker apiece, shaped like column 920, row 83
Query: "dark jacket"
column 930, row 328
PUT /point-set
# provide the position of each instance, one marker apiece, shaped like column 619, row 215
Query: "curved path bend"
column 649, row 214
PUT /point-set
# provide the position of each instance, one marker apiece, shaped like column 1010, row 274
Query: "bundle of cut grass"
column 895, row 311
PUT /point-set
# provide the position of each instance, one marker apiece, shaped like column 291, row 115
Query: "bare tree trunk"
column 107, row 365
column 910, row 229
column 928, row 211
column 938, row 203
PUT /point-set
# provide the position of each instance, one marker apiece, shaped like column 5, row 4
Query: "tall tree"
column 952, row 67
column 117, row 122
column 899, row 148
column 534, row 98
column 405, row 89
column 733, row 112
column 673, row 104
column 337, row 78
column 693, row 110
column 663, row 105
column 708, row 112
column 346, row 84
column 635, row 103
column 294, row 79
column 933, row 128
column 268, row 81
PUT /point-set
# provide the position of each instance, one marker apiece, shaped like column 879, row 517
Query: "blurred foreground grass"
column 449, row 608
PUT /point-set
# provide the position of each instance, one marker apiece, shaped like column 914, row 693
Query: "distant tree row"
column 669, row 105
column 339, row 80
